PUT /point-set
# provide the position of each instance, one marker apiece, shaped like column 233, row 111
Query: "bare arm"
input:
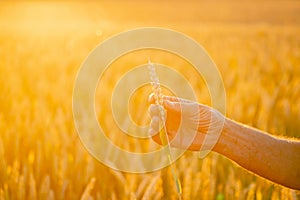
column 273, row 158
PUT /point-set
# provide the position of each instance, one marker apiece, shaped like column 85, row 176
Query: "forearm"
column 273, row 158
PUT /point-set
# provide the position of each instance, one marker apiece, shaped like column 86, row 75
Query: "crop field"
column 255, row 44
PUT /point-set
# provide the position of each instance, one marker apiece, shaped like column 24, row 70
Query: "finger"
column 177, row 99
column 173, row 106
column 171, row 98
column 151, row 98
column 157, row 139
column 154, row 126
column 153, row 110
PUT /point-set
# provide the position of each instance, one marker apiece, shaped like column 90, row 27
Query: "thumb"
column 172, row 106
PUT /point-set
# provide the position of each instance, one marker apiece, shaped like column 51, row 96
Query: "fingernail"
column 150, row 97
column 151, row 132
column 169, row 104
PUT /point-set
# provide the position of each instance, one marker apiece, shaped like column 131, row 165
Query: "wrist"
column 225, row 137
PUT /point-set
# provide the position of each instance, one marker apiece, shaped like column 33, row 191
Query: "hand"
column 189, row 125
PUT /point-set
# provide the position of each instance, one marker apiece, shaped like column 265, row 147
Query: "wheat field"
column 256, row 46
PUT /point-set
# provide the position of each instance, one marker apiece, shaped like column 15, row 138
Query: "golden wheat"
column 43, row 158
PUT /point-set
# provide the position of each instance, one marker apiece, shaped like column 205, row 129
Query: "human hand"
column 189, row 125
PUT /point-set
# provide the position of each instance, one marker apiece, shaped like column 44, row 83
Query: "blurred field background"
column 255, row 44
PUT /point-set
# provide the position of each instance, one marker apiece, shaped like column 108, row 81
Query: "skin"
column 270, row 157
